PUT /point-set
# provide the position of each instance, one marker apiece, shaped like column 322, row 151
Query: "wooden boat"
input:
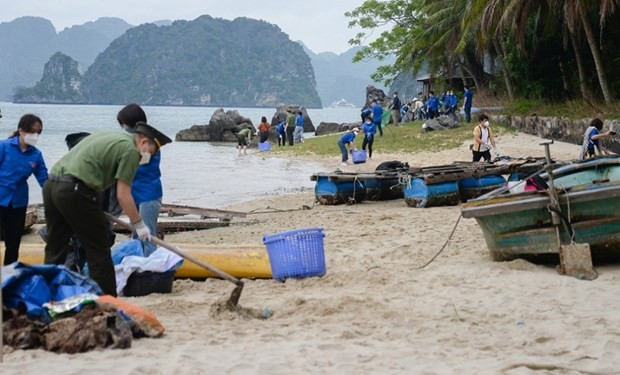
column 32, row 218
column 172, row 218
column 383, row 186
column 517, row 224
column 446, row 185
column 350, row 187
column 420, row 194
column 472, row 187
column 237, row 260
column 338, row 188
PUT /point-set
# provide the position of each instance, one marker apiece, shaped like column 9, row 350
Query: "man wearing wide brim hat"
column 71, row 195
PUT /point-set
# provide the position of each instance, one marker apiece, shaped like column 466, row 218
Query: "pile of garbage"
column 56, row 309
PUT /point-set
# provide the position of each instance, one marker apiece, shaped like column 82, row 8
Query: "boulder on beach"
column 223, row 127
column 442, row 122
column 373, row 93
column 333, row 127
column 280, row 116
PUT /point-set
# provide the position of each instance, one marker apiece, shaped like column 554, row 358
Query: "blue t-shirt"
column 370, row 129
column 347, row 137
column 593, row 142
column 468, row 97
column 452, row 100
column 15, row 168
column 281, row 127
column 299, row 120
column 377, row 113
column 433, row 103
column 146, row 185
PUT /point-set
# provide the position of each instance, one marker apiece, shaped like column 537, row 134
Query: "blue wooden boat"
column 383, row 186
column 420, row 194
column 473, row 187
column 347, row 187
column 518, row 224
column 338, row 188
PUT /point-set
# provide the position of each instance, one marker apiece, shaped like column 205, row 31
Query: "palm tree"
column 577, row 17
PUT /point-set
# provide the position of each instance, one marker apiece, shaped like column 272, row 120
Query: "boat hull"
column 381, row 189
column 473, row 187
column 333, row 191
column 520, row 224
column 418, row 194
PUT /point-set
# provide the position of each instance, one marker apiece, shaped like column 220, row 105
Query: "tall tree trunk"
column 508, row 82
column 580, row 69
column 596, row 54
column 466, row 69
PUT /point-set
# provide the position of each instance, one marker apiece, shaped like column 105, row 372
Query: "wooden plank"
column 178, row 225
column 176, row 210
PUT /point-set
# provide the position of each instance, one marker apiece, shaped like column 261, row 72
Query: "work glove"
column 496, row 152
column 143, row 233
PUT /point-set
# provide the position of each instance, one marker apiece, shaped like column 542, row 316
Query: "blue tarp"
column 29, row 287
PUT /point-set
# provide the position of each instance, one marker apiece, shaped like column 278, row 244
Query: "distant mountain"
column 338, row 77
column 27, row 43
column 85, row 42
column 61, row 83
column 207, row 61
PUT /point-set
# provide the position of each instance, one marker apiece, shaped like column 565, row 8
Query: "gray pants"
column 298, row 135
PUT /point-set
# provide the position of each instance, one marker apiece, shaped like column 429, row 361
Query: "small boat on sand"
column 515, row 224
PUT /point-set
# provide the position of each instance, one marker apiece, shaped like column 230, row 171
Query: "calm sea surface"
column 193, row 173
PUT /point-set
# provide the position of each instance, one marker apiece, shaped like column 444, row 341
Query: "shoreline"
column 375, row 311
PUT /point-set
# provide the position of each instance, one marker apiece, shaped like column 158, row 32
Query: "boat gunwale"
column 516, row 202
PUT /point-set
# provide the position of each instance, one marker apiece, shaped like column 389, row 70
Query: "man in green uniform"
column 71, row 196
column 290, row 126
column 242, row 140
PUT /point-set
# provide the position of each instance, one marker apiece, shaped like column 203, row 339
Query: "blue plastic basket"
column 358, row 156
column 264, row 146
column 296, row 253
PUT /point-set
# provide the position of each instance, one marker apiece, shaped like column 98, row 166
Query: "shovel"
column 232, row 302
column 575, row 258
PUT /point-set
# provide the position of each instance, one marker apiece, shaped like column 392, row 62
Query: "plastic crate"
column 264, row 146
column 296, row 253
column 143, row 283
column 358, row 156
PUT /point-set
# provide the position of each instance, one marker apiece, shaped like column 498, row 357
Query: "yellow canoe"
column 242, row 261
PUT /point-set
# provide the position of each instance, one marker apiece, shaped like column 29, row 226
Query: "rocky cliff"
column 61, row 84
column 206, row 62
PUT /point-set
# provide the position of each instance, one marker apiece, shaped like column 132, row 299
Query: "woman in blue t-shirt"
column 370, row 129
column 347, row 139
column 146, row 187
column 19, row 159
column 591, row 139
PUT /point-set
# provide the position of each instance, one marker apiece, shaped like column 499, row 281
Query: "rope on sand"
column 535, row 366
column 443, row 247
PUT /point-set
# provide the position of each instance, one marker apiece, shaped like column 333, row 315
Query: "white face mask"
column 486, row 123
column 31, row 138
column 145, row 157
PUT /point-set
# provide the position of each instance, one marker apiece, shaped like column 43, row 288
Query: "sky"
column 319, row 24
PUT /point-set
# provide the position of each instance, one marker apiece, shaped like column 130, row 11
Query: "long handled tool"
column 575, row 258
column 232, row 302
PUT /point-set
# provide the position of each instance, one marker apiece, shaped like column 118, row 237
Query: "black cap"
column 74, row 138
column 151, row 133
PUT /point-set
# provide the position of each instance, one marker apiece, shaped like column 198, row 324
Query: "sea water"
column 193, row 173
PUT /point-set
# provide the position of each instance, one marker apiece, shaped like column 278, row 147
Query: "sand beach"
column 376, row 311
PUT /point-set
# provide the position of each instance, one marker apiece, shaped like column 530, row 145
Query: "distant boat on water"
column 342, row 103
